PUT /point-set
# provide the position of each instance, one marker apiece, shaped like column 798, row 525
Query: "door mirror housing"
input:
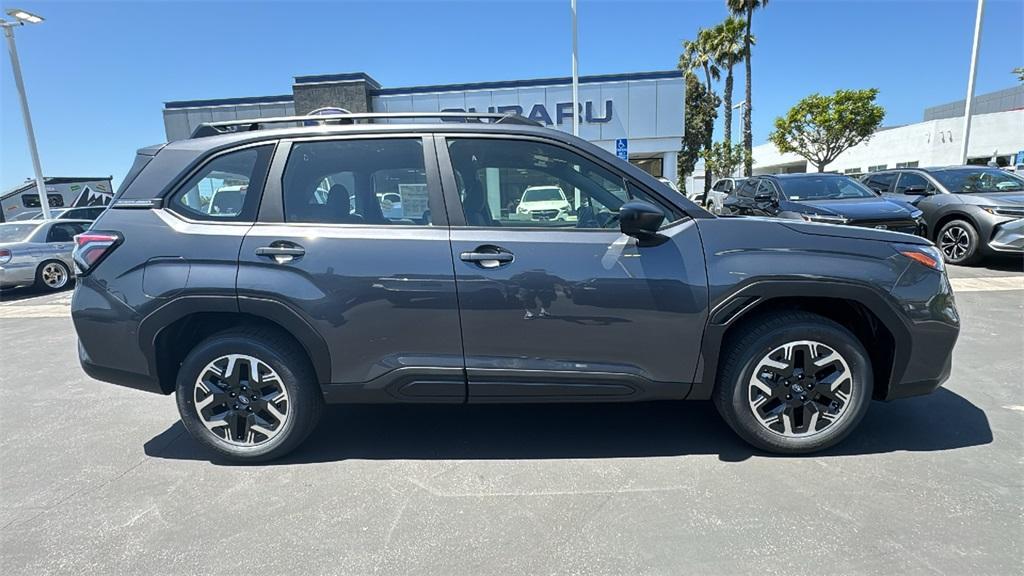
column 640, row 220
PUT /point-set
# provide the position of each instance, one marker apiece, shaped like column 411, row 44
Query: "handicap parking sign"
column 622, row 148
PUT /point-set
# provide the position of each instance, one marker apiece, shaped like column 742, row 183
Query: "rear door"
column 568, row 307
column 375, row 285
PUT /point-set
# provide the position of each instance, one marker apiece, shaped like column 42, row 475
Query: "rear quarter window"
column 226, row 189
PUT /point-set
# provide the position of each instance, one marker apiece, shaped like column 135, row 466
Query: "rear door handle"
column 281, row 252
column 488, row 256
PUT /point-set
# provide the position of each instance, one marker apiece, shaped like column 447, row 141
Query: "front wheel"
column 958, row 241
column 794, row 383
column 248, row 394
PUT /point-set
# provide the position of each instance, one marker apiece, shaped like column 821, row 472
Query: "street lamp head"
column 24, row 16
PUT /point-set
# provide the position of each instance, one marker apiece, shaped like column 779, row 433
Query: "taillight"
column 92, row 247
column 5, row 256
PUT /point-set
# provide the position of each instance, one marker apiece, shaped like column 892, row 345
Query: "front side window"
column 521, row 183
column 908, row 179
column 226, row 189
column 64, row 232
column 375, row 181
column 747, row 188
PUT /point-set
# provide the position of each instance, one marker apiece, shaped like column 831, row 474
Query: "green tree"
column 699, row 113
column 698, row 55
column 820, row 128
column 723, row 158
column 729, row 47
column 745, row 8
column 1019, row 71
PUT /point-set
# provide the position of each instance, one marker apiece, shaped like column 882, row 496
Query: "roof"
column 798, row 175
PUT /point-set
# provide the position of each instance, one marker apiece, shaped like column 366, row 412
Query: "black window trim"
column 201, row 164
column 272, row 208
column 457, row 219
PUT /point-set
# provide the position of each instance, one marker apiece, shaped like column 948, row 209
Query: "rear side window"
column 881, row 182
column 374, row 181
column 746, row 189
column 227, row 188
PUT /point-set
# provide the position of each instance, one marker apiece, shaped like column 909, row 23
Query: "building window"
column 852, row 171
column 907, row 164
column 877, row 168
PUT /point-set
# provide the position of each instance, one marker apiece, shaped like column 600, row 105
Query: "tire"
column 958, row 241
column 757, row 412
column 52, row 275
column 212, row 378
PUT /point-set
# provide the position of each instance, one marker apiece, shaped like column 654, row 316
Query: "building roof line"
column 376, row 90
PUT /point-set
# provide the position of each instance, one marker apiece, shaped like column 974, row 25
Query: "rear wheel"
column 958, row 241
column 52, row 275
column 248, row 394
column 795, row 383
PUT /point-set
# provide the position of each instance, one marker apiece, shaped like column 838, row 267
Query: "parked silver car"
column 38, row 253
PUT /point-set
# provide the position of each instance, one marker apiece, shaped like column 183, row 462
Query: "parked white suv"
column 544, row 203
column 719, row 192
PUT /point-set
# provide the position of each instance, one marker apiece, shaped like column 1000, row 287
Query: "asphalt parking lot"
column 96, row 479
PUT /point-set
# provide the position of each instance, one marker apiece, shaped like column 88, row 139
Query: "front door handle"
column 488, row 256
column 281, row 252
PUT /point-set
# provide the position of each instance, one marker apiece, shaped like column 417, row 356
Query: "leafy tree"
column 745, row 8
column 820, row 128
column 699, row 55
column 723, row 158
column 700, row 110
column 1019, row 71
column 729, row 48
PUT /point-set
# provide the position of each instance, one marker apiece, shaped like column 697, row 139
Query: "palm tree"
column 730, row 48
column 699, row 54
column 746, row 9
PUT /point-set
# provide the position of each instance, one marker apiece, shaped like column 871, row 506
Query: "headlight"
column 916, row 214
column 825, row 218
column 522, row 209
column 926, row 255
column 1012, row 211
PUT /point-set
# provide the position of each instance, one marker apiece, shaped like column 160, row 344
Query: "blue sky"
column 98, row 73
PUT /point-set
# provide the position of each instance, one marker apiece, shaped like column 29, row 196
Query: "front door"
column 352, row 237
column 555, row 302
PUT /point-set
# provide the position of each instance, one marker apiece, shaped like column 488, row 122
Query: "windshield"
column 975, row 180
column 16, row 232
column 824, row 188
column 543, row 195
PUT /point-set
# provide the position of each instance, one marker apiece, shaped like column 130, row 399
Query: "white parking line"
column 36, row 311
column 993, row 284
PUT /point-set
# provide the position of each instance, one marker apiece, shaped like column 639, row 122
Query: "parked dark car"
column 972, row 211
column 826, row 198
column 306, row 292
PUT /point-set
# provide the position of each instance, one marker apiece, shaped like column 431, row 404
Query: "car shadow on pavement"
column 940, row 421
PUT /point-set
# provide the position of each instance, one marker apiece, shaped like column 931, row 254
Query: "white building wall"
column 931, row 143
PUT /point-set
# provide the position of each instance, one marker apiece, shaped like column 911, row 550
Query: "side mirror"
column 916, row 190
column 640, row 220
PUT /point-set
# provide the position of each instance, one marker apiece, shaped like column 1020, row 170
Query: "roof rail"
column 248, row 124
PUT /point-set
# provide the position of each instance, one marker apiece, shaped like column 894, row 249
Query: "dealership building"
column 642, row 111
column 997, row 135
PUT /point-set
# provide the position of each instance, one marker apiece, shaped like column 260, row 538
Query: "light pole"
column 970, row 82
column 575, row 76
column 739, row 105
column 21, row 18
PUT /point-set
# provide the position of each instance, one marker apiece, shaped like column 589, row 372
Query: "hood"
column 857, row 232
column 545, row 204
column 1015, row 198
column 859, row 208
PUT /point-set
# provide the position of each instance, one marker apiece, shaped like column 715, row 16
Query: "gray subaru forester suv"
column 253, row 271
